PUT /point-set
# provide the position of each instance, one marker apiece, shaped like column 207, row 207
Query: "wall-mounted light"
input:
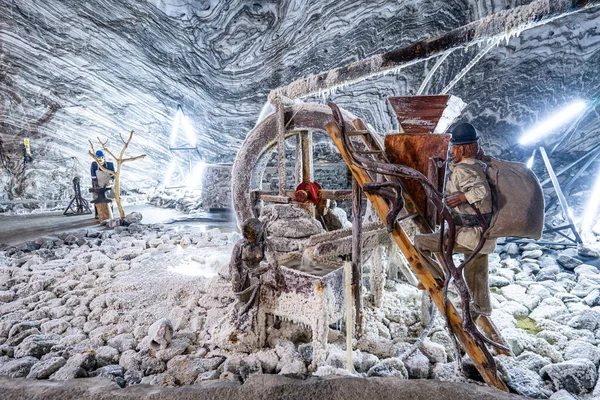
column 557, row 119
column 180, row 120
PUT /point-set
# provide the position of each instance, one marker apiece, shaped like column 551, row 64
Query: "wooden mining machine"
column 401, row 174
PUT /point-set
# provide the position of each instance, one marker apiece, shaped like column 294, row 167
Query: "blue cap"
column 99, row 153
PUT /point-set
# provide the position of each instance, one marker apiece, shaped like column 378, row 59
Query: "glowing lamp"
column 559, row 118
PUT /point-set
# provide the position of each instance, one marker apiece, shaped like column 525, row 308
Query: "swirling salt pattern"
column 117, row 65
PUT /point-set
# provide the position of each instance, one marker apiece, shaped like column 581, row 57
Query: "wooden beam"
column 357, row 193
column 419, row 267
column 298, row 160
column 517, row 19
column 279, row 109
column 307, row 157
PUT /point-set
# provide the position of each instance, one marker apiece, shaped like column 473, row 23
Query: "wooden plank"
column 275, row 199
column 418, row 265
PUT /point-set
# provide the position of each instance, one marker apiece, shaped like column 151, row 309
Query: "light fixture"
column 194, row 179
column 531, row 159
column 559, row 118
column 592, row 208
column 169, row 173
column 176, row 123
column 185, row 123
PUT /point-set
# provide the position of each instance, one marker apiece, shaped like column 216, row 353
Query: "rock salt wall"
column 73, row 71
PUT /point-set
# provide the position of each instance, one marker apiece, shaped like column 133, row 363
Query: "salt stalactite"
column 349, row 311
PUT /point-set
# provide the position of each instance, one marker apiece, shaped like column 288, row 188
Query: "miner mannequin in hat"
column 467, row 185
column 99, row 177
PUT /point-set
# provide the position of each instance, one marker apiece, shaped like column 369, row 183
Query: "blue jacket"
column 107, row 165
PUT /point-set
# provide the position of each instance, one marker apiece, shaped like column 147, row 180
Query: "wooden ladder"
column 368, row 145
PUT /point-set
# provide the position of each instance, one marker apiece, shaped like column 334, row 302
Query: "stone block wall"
column 216, row 187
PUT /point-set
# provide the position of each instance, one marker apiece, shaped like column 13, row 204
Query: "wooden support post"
column 357, row 192
column 307, row 157
column 559, row 194
column 281, row 146
column 298, row 160
column 419, row 267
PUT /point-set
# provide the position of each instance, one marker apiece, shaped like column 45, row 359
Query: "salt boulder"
column 576, row 376
column 160, row 333
column 18, row 368
column 389, row 367
column 45, row 368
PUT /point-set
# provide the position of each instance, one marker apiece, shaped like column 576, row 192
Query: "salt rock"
column 18, row 368
column 576, row 376
column 585, row 269
column 581, row 349
column 77, row 366
column 436, row 353
column 152, row 366
column 519, row 379
column 36, row 345
column 512, row 249
column 134, row 217
column 584, row 287
column 163, row 379
column 532, row 361
column 186, row 368
column 288, row 211
column 562, row 394
column 586, row 320
column 45, row 368
column 55, row 326
column 297, row 228
column 518, row 293
column 532, row 254
column 548, row 309
column 417, row 366
column 498, row 281
column 568, row 262
column 389, row 367
column 160, row 333
column 106, row 355
column 130, row 360
column 177, row 347
column 592, row 299
column 109, row 317
column 514, row 308
column 122, row 342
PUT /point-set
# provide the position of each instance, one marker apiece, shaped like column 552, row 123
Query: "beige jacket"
column 468, row 177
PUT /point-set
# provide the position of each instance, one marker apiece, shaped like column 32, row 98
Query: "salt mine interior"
column 293, row 199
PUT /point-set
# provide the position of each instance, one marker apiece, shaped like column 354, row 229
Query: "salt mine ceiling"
column 74, row 70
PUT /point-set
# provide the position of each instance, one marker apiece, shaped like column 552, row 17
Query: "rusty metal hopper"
column 416, row 147
column 426, row 114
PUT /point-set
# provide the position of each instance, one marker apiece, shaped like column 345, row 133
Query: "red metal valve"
column 308, row 192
